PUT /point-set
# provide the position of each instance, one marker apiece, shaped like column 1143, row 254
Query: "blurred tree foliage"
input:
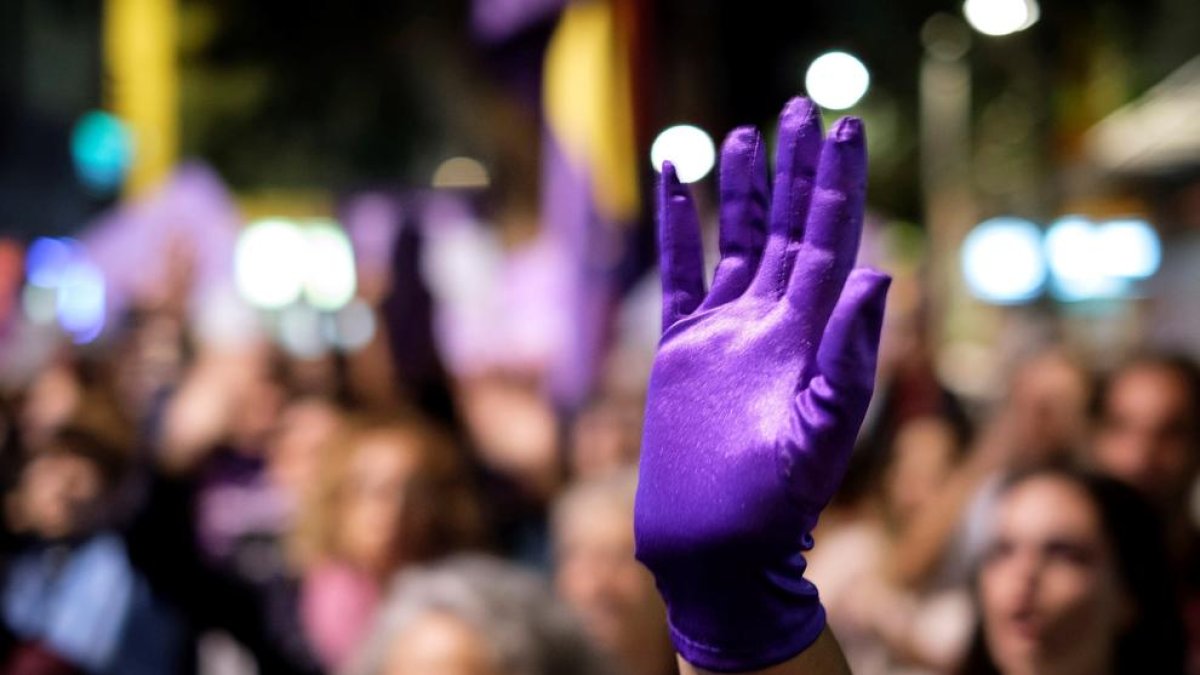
column 302, row 94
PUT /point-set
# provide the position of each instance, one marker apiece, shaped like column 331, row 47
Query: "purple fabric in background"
column 496, row 21
column 586, row 243
column 193, row 211
column 574, row 241
column 193, row 206
column 372, row 222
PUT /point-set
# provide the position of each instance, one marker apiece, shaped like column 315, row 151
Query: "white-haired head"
column 525, row 630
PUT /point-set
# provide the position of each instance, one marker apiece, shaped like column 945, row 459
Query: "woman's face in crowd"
column 304, row 430
column 923, row 455
column 259, row 405
column 1048, row 402
column 514, row 431
column 1146, row 436
column 1049, row 590
column 604, row 439
column 599, row 578
column 376, row 491
column 56, row 494
column 440, row 644
column 152, row 360
column 51, row 400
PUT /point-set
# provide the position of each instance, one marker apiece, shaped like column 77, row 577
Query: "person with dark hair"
column 72, row 391
column 1148, row 429
column 71, row 599
column 1042, row 419
column 597, row 576
column 1147, row 435
column 887, row 628
column 1075, row 580
column 390, row 492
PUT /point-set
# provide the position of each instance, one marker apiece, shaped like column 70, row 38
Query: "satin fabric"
column 758, row 390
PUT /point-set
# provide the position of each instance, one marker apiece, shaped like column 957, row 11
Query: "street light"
column 689, row 148
column 837, row 80
column 1002, row 261
column 1001, row 17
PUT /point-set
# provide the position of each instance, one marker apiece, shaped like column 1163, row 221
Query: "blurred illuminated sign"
column 1011, row 261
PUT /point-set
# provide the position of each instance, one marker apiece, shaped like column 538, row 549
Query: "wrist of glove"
column 716, row 611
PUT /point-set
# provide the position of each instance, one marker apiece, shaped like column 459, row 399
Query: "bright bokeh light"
column 102, row 149
column 1002, row 261
column 462, row 261
column 689, row 148
column 48, row 259
column 1129, row 248
column 39, row 304
column 277, row 261
column 64, row 285
column 222, row 317
column 80, row 305
column 461, row 172
column 1001, row 17
column 1090, row 261
column 270, row 263
column 299, row 331
column 329, row 275
column 352, row 327
column 1072, row 250
column 837, row 80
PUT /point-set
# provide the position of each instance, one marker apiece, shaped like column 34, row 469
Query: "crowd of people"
column 1056, row 535
column 172, row 506
column 170, row 510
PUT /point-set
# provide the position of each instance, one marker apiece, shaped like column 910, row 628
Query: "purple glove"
column 757, row 392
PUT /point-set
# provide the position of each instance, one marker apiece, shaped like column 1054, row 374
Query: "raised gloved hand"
column 758, row 390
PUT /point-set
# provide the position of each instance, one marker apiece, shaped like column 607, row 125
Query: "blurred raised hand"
column 758, row 390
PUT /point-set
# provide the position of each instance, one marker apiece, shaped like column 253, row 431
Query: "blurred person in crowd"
column 389, row 493
column 306, row 427
column 475, row 616
column 219, row 501
column 71, row 390
column 323, row 376
column 72, row 600
column 1074, row 580
column 151, row 358
column 152, row 345
column 49, row 400
column 293, row 456
column 907, row 389
column 597, row 575
column 1148, row 435
column 1042, row 420
column 513, row 429
column 605, row 438
column 401, row 364
column 884, row 627
column 10, row 453
column 227, row 434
